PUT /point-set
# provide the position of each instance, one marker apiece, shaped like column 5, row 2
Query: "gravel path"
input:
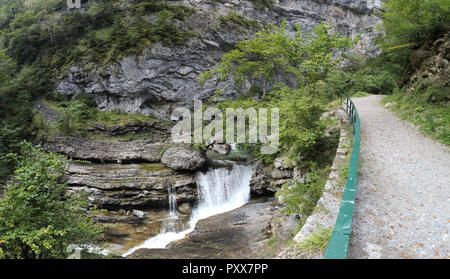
column 402, row 203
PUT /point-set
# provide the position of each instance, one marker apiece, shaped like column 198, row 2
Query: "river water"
column 219, row 190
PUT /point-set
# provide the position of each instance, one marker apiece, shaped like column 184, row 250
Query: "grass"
column 360, row 94
column 80, row 117
column 317, row 243
column 432, row 118
column 271, row 241
column 275, row 246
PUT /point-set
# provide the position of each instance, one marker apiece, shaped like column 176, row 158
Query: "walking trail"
column 402, row 201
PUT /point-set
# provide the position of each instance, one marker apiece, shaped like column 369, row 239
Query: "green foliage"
column 17, row 92
column 407, row 22
column 301, row 198
column 272, row 54
column 374, row 76
column 301, row 62
column 316, row 243
column 105, row 34
column 427, row 107
column 233, row 19
column 79, row 114
column 35, row 220
column 300, row 128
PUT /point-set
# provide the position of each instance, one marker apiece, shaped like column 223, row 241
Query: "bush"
column 409, row 22
column 301, row 198
column 36, row 220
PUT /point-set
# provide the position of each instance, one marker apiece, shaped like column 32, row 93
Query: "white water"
column 219, row 191
column 172, row 202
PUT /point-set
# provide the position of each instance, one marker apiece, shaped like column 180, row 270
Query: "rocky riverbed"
column 240, row 233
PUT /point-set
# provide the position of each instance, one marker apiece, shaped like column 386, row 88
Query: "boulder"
column 221, row 148
column 181, row 158
column 417, row 57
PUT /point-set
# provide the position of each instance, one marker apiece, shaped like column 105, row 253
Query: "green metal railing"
column 338, row 245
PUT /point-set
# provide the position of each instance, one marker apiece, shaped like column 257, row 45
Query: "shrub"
column 36, row 220
column 301, row 198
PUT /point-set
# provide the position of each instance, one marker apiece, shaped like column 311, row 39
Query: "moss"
column 154, row 167
column 271, row 241
column 263, row 3
column 233, row 19
column 78, row 116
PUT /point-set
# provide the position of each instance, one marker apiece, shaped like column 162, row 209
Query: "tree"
column 36, row 219
column 273, row 56
column 406, row 22
column 7, row 68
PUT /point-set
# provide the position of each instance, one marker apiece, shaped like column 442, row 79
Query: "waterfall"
column 219, row 190
column 172, row 201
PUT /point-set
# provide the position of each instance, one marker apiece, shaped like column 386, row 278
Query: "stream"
column 219, row 190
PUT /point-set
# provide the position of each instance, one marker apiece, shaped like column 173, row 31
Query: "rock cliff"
column 159, row 79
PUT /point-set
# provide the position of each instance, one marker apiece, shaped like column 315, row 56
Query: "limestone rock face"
column 431, row 65
column 180, row 158
column 267, row 180
column 103, row 150
column 162, row 78
column 122, row 185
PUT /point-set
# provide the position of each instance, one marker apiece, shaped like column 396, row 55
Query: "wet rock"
column 240, row 233
column 181, row 158
column 212, row 163
column 185, row 208
column 221, row 148
column 138, row 213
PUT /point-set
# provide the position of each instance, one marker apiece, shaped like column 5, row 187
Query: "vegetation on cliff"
column 284, row 74
column 39, row 41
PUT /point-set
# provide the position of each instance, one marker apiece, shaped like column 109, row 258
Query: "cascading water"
column 219, row 190
column 172, row 202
